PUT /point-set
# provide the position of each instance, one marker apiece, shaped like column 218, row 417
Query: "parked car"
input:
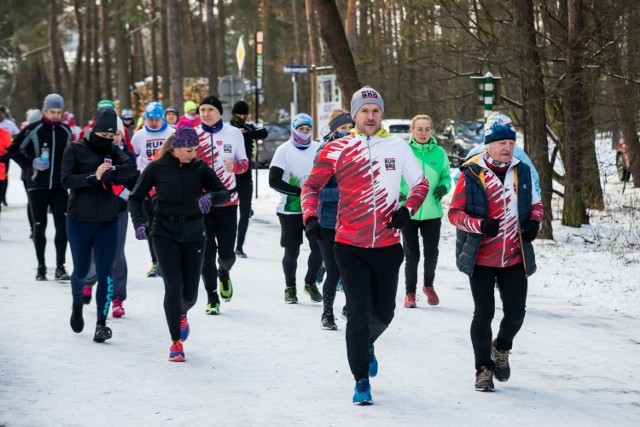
column 622, row 161
column 398, row 127
column 279, row 133
column 458, row 138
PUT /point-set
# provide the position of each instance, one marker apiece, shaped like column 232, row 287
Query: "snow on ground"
column 262, row 363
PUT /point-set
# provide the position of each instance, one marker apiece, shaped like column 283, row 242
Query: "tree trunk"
column 56, row 80
column 350, row 25
column 95, row 46
column 164, row 54
column 121, row 56
column 154, row 52
column 335, row 39
column 106, row 52
column 623, row 95
column 175, row 58
column 222, row 41
column 88, row 105
column 212, row 66
column 78, row 69
column 533, row 95
column 573, row 212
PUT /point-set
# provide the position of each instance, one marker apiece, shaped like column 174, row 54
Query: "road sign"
column 240, row 53
column 295, row 69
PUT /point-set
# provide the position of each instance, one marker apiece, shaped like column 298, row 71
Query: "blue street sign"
column 295, row 69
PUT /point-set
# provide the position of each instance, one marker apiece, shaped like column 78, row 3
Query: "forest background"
column 570, row 69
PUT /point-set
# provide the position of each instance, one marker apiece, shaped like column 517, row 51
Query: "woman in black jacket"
column 89, row 169
column 178, row 229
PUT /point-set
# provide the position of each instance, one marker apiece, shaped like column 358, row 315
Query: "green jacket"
column 435, row 167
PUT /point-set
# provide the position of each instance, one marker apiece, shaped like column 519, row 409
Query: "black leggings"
column 244, row 188
column 370, row 281
column 147, row 204
column 40, row 200
column 512, row 285
column 181, row 265
column 291, row 231
column 221, row 226
column 333, row 274
column 430, row 232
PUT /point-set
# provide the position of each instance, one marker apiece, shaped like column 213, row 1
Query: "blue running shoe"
column 373, row 363
column 184, row 328
column 362, row 395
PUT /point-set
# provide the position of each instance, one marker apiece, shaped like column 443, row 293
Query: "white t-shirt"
column 215, row 148
column 145, row 144
column 297, row 165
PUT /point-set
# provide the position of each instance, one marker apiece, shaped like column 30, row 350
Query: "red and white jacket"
column 215, row 148
column 502, row 204
column 368, row 171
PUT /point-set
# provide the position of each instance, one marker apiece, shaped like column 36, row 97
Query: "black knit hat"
column 240, row 107
column 106, row 120
column 212, row 100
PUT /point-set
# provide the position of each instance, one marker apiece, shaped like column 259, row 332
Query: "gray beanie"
column 53, row 100
column 366, row 95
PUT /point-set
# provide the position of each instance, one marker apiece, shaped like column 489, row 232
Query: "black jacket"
column 250, row 133
column 123, row 191
column 90, row 199
column 178, row 189
column 28, row 144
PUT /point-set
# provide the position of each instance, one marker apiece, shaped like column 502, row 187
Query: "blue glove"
column 39, row 164
column 141, row 232
column 205, row 203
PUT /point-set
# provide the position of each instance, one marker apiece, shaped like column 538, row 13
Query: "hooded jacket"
column 436, row 168
column 90, row 199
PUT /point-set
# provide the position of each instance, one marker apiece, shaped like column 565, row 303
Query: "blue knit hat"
column 301, row 119
column 154, row 110
column 499, row 127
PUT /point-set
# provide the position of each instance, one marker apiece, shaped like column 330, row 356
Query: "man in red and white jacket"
column 222, row 148
column 368, row 165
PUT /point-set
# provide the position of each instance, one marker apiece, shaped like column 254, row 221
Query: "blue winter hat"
column 53, row 100
column 301, row 119
column 154, row 110
column 499, row 127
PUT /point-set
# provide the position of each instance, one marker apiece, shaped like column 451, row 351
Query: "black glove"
column 490, row 227
column 312, row 229
column 400, row 218
column 439, row 192
column 529, row 230
column 107, row 177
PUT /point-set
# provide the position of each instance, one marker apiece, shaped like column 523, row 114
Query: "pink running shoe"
column 118, row 309
column 176, row 353
column 432, row 297
column 410, row 300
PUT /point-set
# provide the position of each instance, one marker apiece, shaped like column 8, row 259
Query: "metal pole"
column 294, row 104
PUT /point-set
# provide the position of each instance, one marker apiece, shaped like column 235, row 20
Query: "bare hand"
column 228, row 165
column 102, row 169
